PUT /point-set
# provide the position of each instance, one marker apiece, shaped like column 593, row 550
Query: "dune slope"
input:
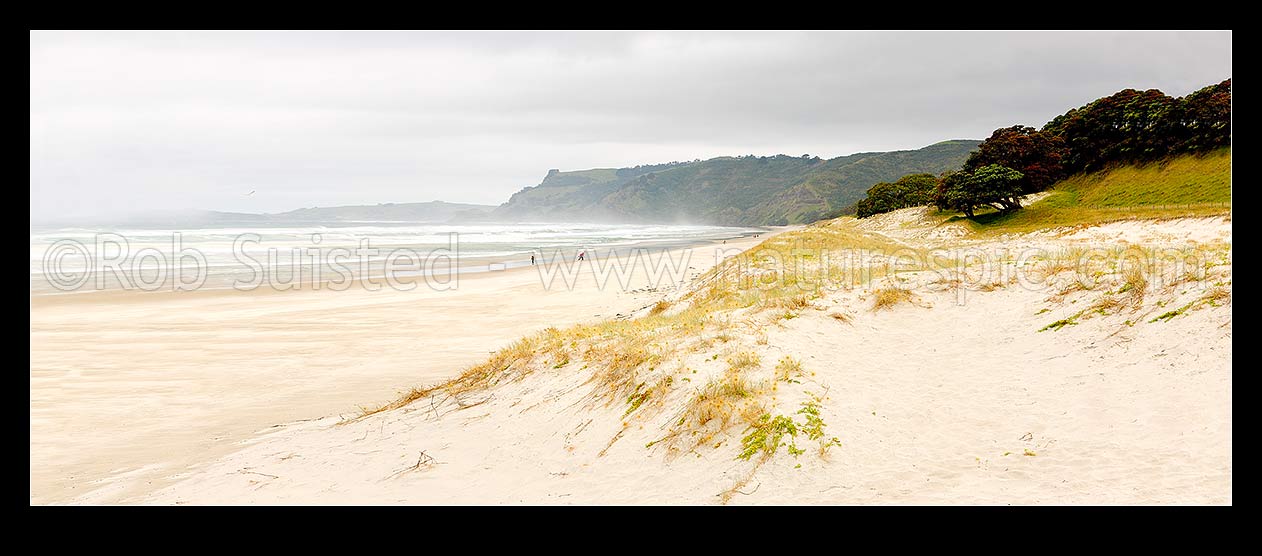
column 1086, row 365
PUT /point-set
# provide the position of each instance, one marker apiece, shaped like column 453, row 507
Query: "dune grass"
column 887, row 298
column 786, row 273
column 716, row 408
column 788, row 368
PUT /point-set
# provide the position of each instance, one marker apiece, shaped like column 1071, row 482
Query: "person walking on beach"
column 532, row 259
column 580, row 255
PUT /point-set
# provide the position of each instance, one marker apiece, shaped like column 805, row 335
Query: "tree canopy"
column 1134, row 126
column 992, row 185
column 1035, row 154
column 909, row 191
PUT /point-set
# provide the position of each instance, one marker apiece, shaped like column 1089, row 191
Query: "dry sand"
column 937, row 401
column 129, row 390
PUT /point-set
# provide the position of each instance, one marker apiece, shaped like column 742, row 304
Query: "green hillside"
column 746, row 190
column 1182, row 180
column 1187, row 185
column 834, row 188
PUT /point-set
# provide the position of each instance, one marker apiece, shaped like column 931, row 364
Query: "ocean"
column 71, row 260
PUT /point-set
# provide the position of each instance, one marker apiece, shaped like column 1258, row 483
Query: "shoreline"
column 130, row 390
column 468, row 267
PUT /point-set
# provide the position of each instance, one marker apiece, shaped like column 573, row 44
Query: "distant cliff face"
column 729, row 190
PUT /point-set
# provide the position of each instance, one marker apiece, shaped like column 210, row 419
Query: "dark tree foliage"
column 1135, row 126
column 949, row 194
column 992, row 185
column 909, row 191
column 1035, row 154
column 1207, row 119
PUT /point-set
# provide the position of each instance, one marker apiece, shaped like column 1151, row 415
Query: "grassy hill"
column 744, row 190
column 835, row 187
column 1187, row 185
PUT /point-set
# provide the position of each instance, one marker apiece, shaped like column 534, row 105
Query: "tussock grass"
column 659, row 308
column 408, row 397
column 516, row 357
column 1105, row 305
column 1216, row 295
column 1134, row 285
column 1063, row 260
column 743, row 362
column 619, row 366
column 717, row 407
column 887, row 298
column 508, row 363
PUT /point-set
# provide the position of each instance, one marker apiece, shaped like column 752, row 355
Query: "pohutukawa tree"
column 993, row 185
column 1035, row 154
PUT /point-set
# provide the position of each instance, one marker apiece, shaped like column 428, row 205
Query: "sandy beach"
column 1130, row 405
column 131, row 390
column 631, row 268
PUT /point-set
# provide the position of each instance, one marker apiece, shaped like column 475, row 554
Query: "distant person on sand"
column 580, row 254
column 532, row 260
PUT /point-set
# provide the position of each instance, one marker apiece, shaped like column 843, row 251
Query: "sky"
column 137, row 122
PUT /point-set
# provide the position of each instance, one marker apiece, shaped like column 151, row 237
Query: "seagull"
column 250, row 193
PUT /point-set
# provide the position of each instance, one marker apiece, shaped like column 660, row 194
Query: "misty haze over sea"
column 290, row 250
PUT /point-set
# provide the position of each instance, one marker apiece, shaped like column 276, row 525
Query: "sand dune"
column 129, row 390
column 957, row 395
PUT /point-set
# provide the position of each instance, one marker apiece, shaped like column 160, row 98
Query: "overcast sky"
column 140, row 121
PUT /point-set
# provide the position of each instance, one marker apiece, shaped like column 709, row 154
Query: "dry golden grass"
column 791, row 303
column 1217, row 294
column 515, row 357
column 1105, row 305
column 840, row 317
column 743, row 361
column 1134, row 285
column 887, row 298
column 1062, row 261
column 991, row 286
column 715, row 408
column 659, row 308
column 403, row 400
column 1074, row 286
column 618, row 366
column 510, row 362
column 788, row 368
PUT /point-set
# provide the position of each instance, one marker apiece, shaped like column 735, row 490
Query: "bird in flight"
column 250, row 193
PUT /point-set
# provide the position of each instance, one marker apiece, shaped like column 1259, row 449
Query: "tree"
column 992, row 185
column 1126, row 126
column 950, row 194
column 1035, row 154
column 1206, row 118
column 909, row 191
